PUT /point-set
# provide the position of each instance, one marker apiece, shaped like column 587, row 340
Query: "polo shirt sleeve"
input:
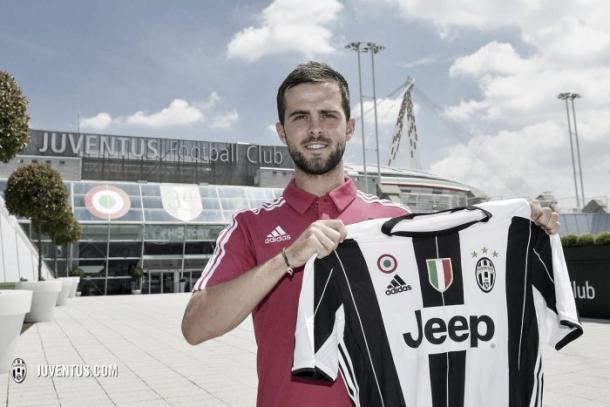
column 233, row 254
column 320, row 324
column 553, row 297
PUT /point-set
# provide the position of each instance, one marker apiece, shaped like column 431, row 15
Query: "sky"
column 487, row 75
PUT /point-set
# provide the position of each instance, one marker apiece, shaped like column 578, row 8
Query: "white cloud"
column 179, row 112
column 225, row 121
column 493, row 58
column 464, row 110
column 210, row 102
column 288, row 26
column 419, row 62
column 96, row 123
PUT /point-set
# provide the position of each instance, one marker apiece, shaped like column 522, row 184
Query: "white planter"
column 66, row 289
column 76, row 281
column 44, row 298
column 14, row 304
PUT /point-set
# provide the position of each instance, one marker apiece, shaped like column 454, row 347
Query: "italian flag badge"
column 440, row 273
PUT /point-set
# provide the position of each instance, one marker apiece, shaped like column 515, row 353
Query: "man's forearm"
column 218, row 309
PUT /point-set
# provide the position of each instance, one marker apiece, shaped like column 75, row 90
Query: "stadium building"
column 160, row 203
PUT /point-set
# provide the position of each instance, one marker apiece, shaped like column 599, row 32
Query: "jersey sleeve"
column 320, row 324
column 553, row 297
column 233, row 255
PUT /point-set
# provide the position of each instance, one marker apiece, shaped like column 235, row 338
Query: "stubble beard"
column 317, row 166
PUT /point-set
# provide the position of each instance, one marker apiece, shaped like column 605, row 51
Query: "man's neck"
column 319, row 185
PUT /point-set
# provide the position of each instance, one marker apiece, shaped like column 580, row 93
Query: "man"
column 251, row 270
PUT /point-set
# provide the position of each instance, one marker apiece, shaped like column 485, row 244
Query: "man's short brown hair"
column 312, row 72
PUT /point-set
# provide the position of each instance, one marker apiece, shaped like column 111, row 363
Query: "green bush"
column 136, row 272
column 14, row 136
column 76, row 272
column 586, row 240
column 569, row 240
column 36, row 191
column 602, row 239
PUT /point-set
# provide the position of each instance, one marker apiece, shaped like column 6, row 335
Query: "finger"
column 545, row 217
column 553, row 225
column 333, row 234
column 339, row 226
column 536, row 209
column 324, row 245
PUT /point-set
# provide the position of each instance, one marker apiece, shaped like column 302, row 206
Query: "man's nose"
column 315, row 129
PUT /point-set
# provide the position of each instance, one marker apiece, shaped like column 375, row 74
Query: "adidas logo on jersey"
column 397, row 286
column 277, row 235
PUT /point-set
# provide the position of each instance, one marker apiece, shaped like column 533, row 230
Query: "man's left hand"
column 545, row 218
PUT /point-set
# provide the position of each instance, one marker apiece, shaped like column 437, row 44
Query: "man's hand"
column 545, row 218
column 320, row 238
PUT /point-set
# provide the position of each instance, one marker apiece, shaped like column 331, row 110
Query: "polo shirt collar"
column 301, row 200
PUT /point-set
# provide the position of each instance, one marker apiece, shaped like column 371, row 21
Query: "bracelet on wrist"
column 289, row 269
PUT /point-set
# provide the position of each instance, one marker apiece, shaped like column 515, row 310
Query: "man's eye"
column 298, row 117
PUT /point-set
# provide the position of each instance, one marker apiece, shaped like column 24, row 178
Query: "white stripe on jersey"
column 386, row 202
column 368, row 351
column 529, row 238
column 536, row 400
column 346, row 367
column 544, row 265
column 323, row 291
column 219, row 251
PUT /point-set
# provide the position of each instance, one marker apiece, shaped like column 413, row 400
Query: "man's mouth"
column 315, row 146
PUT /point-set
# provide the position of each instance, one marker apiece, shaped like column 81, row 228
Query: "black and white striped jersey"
column 445, row 309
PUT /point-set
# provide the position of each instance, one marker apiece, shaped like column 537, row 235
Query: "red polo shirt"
column 253, row 238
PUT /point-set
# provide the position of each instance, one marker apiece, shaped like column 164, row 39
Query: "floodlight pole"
column 565, row 96
column 375, row 48
column 356, row 46
column 582, row 185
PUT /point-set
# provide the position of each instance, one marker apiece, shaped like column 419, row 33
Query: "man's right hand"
column 320, row 238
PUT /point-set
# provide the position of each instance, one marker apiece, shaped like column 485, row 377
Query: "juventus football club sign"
column 440, row 273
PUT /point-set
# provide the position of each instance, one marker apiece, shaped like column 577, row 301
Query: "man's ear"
column 351, row 127
column 279, row 127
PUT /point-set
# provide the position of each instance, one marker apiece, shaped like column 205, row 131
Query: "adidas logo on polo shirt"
column 397, row 285
column 277, row 235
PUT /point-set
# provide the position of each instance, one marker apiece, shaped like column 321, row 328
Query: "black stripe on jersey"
column 542, row 266
column 400, row 280
column 447, row 370
column 522, row 333
column 362, row 310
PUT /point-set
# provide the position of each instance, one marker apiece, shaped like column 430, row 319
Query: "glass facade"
column 169, row 230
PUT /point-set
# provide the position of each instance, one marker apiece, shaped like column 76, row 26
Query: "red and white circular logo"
column 107, row 202
column 387, row 263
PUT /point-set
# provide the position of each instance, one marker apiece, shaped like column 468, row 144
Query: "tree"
column 62, row 229
column 14, row 136
column 36, row 191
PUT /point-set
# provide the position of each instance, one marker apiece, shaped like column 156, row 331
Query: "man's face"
column 315, row 128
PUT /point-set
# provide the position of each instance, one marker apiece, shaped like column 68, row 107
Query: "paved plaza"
column 140, row 334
